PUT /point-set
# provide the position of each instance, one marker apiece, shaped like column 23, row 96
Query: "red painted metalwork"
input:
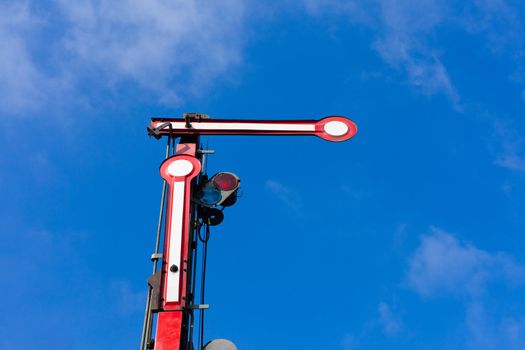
column 321, row 132
column 169, row 326
column 187, row 148
column 179, row 177
column 178, row 171
column 344, row 127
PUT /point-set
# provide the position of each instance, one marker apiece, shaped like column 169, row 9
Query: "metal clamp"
column 198, row 307
column 156, row 256
column 156, row 132
column 192, row 116
column 205, row 151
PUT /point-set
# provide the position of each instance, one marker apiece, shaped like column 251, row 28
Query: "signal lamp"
column 220, row 190
column 209, row 196
column 226, row 181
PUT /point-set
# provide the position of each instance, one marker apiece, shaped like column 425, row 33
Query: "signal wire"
column 194, row 277
column 203, row 281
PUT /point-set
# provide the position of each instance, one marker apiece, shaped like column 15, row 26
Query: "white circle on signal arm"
column 336, row 128
column 181, row 167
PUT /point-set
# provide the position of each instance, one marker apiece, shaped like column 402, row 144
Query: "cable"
column 203, row 284
column 193, row 276
column 207, row 237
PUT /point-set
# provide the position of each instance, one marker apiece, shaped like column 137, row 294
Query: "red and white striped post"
column 333, row 128
column 179, row 171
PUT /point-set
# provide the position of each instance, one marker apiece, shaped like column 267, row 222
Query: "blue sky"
column 409, row 236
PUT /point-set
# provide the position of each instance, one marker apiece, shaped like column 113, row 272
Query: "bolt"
column 174, row 268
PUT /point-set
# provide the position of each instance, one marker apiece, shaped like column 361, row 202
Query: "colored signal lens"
column 226, row 181
column 210, row 196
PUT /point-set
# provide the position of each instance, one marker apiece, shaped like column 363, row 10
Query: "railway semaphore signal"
column 191, row 202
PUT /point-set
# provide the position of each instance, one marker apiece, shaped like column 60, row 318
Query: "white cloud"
column 508, row 155
column 389, row 322
column 169, row 50
column 404, row 44
column 489, row 332
column 169, row 47
column 405, row 34
column 500, row 24
column 361, row 11
column 22, row 84
column 403, row 29
column 350, row 342
column 442, row 265
column 287, row 196
column 128, row 301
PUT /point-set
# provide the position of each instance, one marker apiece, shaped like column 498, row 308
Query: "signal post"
column 190, row 202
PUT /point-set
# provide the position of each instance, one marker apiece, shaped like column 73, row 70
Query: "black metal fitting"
column 211, row 216
column 193, row 116
column 155, row 132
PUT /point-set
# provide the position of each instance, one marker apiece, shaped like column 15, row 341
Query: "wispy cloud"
column 73, row 294
column 500, row 24
column 128, row 301
column 389, row 321
column 168, row 50
column 444, row 266
column 405, row 34
column 22, row 84
column 286, row 195
column 404, row 44
column 509, row 154
column 350, row 342
column 386, row 322
column 403, row 30
column 489, row 332
column 168, row 47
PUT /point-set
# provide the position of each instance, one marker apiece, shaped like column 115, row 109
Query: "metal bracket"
column 198, row 307
column 194, row 117
column 156, row 131
column 205, row 151
column 194, row 307
column 154, row 283
column 156, row 256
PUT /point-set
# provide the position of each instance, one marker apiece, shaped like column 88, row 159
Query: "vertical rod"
column 146, row 326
